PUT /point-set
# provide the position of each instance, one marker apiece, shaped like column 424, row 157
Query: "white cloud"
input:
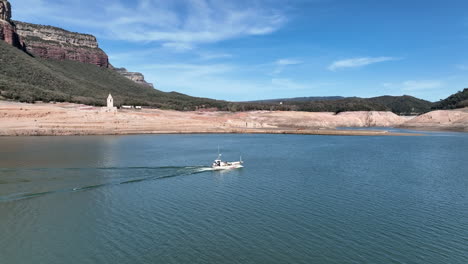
column 188, row 71
column 358, row 62
column 176, row 23
column 414, row 85
column 281, row 64
column 178, row 46
column 421, row 85
column 287, row 62
column 214, row 55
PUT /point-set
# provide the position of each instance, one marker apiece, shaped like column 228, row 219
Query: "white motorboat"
column 218, row 164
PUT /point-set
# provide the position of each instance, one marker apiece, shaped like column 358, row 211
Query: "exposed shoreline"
column 336, row 132
column 65, row 119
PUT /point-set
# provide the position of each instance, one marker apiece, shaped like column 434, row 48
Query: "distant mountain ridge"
column 405, row 104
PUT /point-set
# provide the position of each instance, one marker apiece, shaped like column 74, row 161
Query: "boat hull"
column 235, row 165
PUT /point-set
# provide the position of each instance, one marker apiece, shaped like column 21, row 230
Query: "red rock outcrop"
column 59, row 44
column 7, row 28
column 8, row 34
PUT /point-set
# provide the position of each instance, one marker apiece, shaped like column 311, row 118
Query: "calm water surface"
column 300, row 199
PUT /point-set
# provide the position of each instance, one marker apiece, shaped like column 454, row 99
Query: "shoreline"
column 66, row 119
column 319, row 132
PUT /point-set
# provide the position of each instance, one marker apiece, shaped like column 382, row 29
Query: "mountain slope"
column 403, row 104
column 458, row 100
column 397, row 104
column 28, row 79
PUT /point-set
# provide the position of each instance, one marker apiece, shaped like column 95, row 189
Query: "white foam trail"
column 205, row 169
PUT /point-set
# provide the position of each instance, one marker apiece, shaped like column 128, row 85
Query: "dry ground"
column 72, row 119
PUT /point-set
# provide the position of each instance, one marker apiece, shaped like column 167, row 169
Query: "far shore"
column 65, row 119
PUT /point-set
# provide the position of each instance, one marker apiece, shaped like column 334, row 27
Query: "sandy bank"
column 449, row 120
column 71, row 119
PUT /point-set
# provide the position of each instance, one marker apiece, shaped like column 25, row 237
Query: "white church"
column 110, row 105
column 110, row 102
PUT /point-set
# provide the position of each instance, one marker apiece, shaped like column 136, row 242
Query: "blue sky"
column 260, row 49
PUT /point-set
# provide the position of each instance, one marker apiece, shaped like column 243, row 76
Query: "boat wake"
column 162, row 173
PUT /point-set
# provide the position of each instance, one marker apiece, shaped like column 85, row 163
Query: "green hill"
column 458, row 100
column 397, row 104
column 28, row 79
column 403, row 104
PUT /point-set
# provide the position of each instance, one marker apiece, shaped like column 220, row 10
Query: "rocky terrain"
column 73, row 119
column 59, row 44
column 50, row 42
column 7, row 28
column 134, row 76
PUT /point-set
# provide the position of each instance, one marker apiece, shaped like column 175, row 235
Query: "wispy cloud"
column 177, row 24
column 214, row 55
column 178, row 46
column 421, row 85
column 358, row 62
column 414, row 85
column 281, row 64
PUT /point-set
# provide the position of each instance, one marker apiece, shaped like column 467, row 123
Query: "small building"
column 110, row 105
column 110, row 102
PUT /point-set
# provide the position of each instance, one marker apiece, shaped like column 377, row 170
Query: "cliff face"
column 134, row 76
column 8, row 34
column 59, row 44
column 55, row 43
column 7, row 28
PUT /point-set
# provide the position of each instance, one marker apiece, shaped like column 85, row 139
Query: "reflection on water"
column 299, row 199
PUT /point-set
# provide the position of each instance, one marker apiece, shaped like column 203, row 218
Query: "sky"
column 242, row 50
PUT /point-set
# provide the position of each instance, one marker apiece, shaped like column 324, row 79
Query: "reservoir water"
column 299, row 199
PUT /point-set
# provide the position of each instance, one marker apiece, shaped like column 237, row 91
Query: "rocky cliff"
column 55, row 43
column 59, row 44
column 134, row 76
column 7, row 28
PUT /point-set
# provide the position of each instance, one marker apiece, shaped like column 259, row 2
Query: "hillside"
column 403, row 104
column 458, row 100
column 28, row 79
column 342, row 105
column 397, row 104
